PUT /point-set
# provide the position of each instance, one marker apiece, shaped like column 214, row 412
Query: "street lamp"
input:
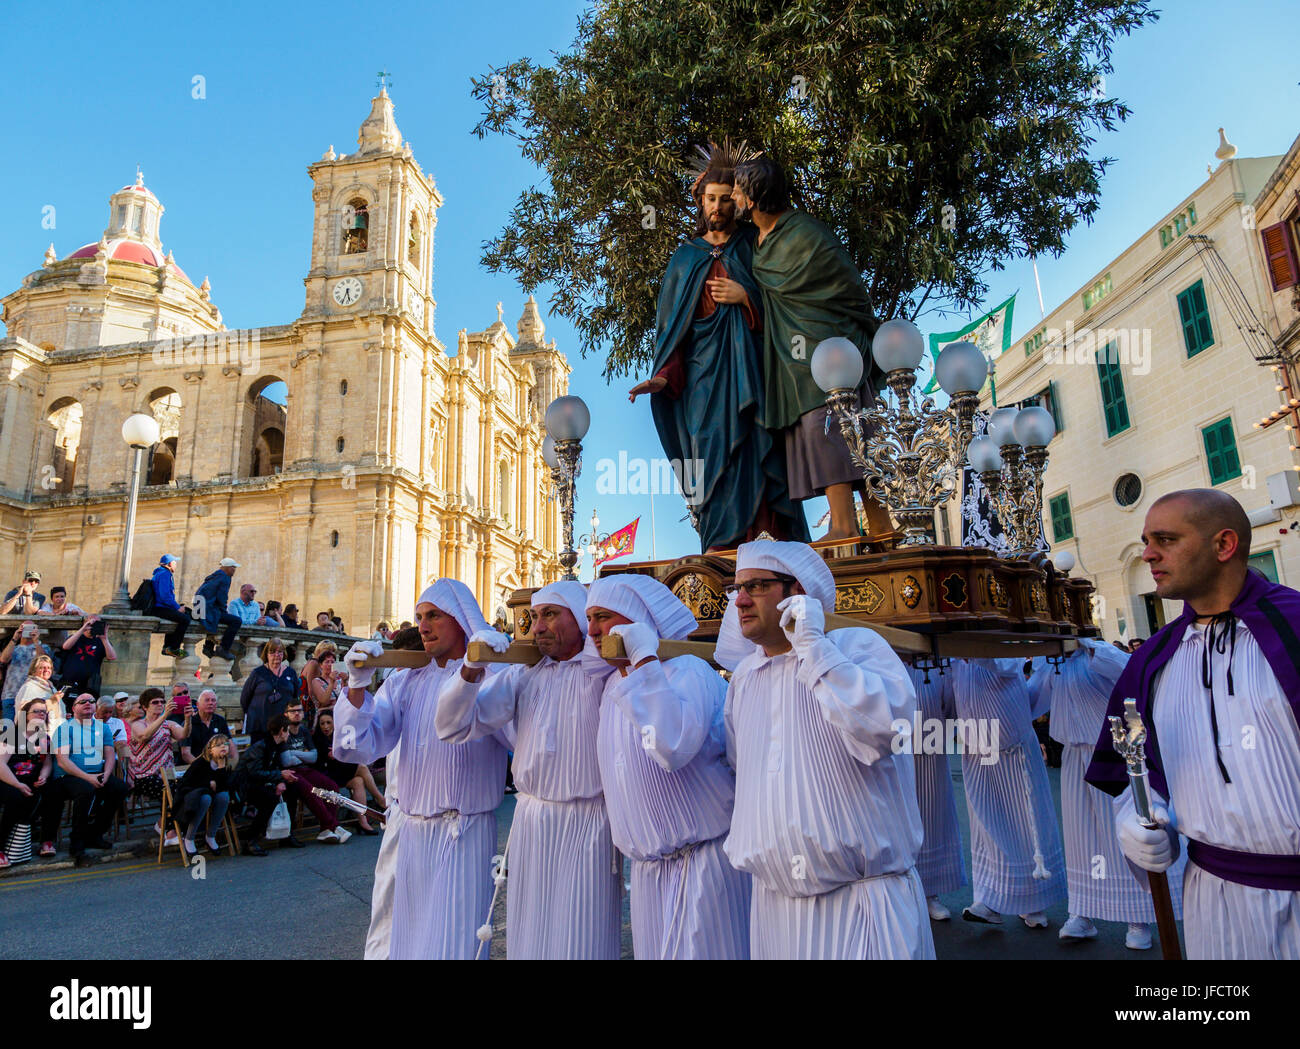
column 140, row 431
column 593, row 541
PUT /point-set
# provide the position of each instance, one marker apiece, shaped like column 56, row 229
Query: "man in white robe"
column 1017, row 860
column 1100, row 883
column 564, row 896
column 1219, row 692
column 668, row 790
column 939, row 861
column 826, row 817
column 442, row 880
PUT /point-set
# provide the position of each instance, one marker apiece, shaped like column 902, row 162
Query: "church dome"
column 127, row 251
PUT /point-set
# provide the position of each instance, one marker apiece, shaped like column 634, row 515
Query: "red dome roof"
column 127, row 251
column 139, row 189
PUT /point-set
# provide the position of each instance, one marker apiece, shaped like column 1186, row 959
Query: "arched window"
column 413, row 241
column 165, row 406
column 60, row 473
column 265, row 426
column 356, row 223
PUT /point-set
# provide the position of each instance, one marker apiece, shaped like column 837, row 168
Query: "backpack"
column 142, row 600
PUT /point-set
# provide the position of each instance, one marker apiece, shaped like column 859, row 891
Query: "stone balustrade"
column 140, row 663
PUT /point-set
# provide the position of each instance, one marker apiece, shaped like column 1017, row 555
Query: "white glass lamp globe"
column 567, row 418
column 983, row 455
column 1034, row 427
column 141, row 431
column 548, row 452
column 1001, row 426
column 898, row 346
column 961, row 368
column 1063, row 561
column 836, row 365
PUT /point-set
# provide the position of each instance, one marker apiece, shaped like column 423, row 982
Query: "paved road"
column 315, row 903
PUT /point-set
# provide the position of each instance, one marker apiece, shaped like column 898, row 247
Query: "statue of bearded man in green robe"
column 811, row 291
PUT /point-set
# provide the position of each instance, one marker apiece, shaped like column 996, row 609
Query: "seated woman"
column 26, row 778
column 318, row 680
column 203, row 794
column 356, row 779
column 40, row 686
column 151, row 744
column 268, row 689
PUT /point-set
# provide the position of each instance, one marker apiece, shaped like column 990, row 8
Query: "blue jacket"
column 213, row 591
column 164, row 589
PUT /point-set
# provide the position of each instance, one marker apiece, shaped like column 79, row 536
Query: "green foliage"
column 882, row 111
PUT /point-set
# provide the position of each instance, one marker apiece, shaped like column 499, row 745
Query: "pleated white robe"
column 379, row 935
column 442, row 877
column 670, row 794
column 1008, row 797
column 563, row 898
column 939, row 862
column 826, row 817
column 1259, row 811
column 1100, row 881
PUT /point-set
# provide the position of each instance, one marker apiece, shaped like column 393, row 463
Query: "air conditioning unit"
column 1284, row 489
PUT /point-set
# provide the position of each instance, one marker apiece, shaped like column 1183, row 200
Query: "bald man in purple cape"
column 1219, row 692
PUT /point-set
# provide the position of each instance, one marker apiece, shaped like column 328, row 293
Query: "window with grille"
column 1128, row 490
column 1062, row 519
column 1194, row 313
column 1113, row 401
column 1221, row 451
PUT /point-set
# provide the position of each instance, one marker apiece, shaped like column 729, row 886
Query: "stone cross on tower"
column 385, row 78
column 501, row 313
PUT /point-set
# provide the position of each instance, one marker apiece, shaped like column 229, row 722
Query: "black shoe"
column 81, row 860
column 369, row 832
column 224, row 653
column 208, row 647
column 98, row 843
column 292, row 843
column 253, row 848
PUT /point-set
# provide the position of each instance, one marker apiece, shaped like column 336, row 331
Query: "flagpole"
column 653, row 555
column 1039, row 285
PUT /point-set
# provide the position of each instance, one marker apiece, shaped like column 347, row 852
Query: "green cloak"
column 811, row 291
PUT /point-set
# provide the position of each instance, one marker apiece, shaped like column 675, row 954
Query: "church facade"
column 343, row 459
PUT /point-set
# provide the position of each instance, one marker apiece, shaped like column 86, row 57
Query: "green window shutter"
column 1221, row 451
column 1054, row 405
column 1266, row 564
column 1194, row 313
column 1062, row 520
column 1112, row 391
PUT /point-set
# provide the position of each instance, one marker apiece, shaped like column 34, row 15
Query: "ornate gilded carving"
column 523, row 621
column 865, row 596
column 954, row 590
column 696, row 594
column 998, row 596
column 1038, row 597
column 910, row 591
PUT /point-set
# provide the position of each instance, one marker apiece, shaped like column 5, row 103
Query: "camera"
column 98, row 628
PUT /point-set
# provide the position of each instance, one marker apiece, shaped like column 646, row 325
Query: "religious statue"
column 811, row 291
column 707, row 388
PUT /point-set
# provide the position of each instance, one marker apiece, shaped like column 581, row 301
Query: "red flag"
column 619, row 544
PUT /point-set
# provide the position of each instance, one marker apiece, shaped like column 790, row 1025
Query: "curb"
column 120, row 851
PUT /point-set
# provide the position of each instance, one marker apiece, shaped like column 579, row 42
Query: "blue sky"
column 103, row 88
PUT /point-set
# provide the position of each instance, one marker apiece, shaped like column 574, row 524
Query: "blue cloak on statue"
column 739, row 470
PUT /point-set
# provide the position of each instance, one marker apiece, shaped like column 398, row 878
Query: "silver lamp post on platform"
column 567, row 421
column 594, row 541
column 1010, row 460
column 909, row 451
column 140, row 431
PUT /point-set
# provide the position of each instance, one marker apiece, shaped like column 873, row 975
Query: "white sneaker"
column 190, row 847
column 342, row 835
column 938, row 912
column 328, row 835
column 978, row 912
column 1078, row 928
column 1138, row 937
column 1037, row 920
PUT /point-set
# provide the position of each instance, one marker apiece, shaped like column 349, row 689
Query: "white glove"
column 360, row 677
column 640, row 640
column 494, row 639
column 803, row 621
column 1152, row 849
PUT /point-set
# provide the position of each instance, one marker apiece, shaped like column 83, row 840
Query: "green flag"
column 991, row 332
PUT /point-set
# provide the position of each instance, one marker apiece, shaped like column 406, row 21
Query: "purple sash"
column 1256, row 869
